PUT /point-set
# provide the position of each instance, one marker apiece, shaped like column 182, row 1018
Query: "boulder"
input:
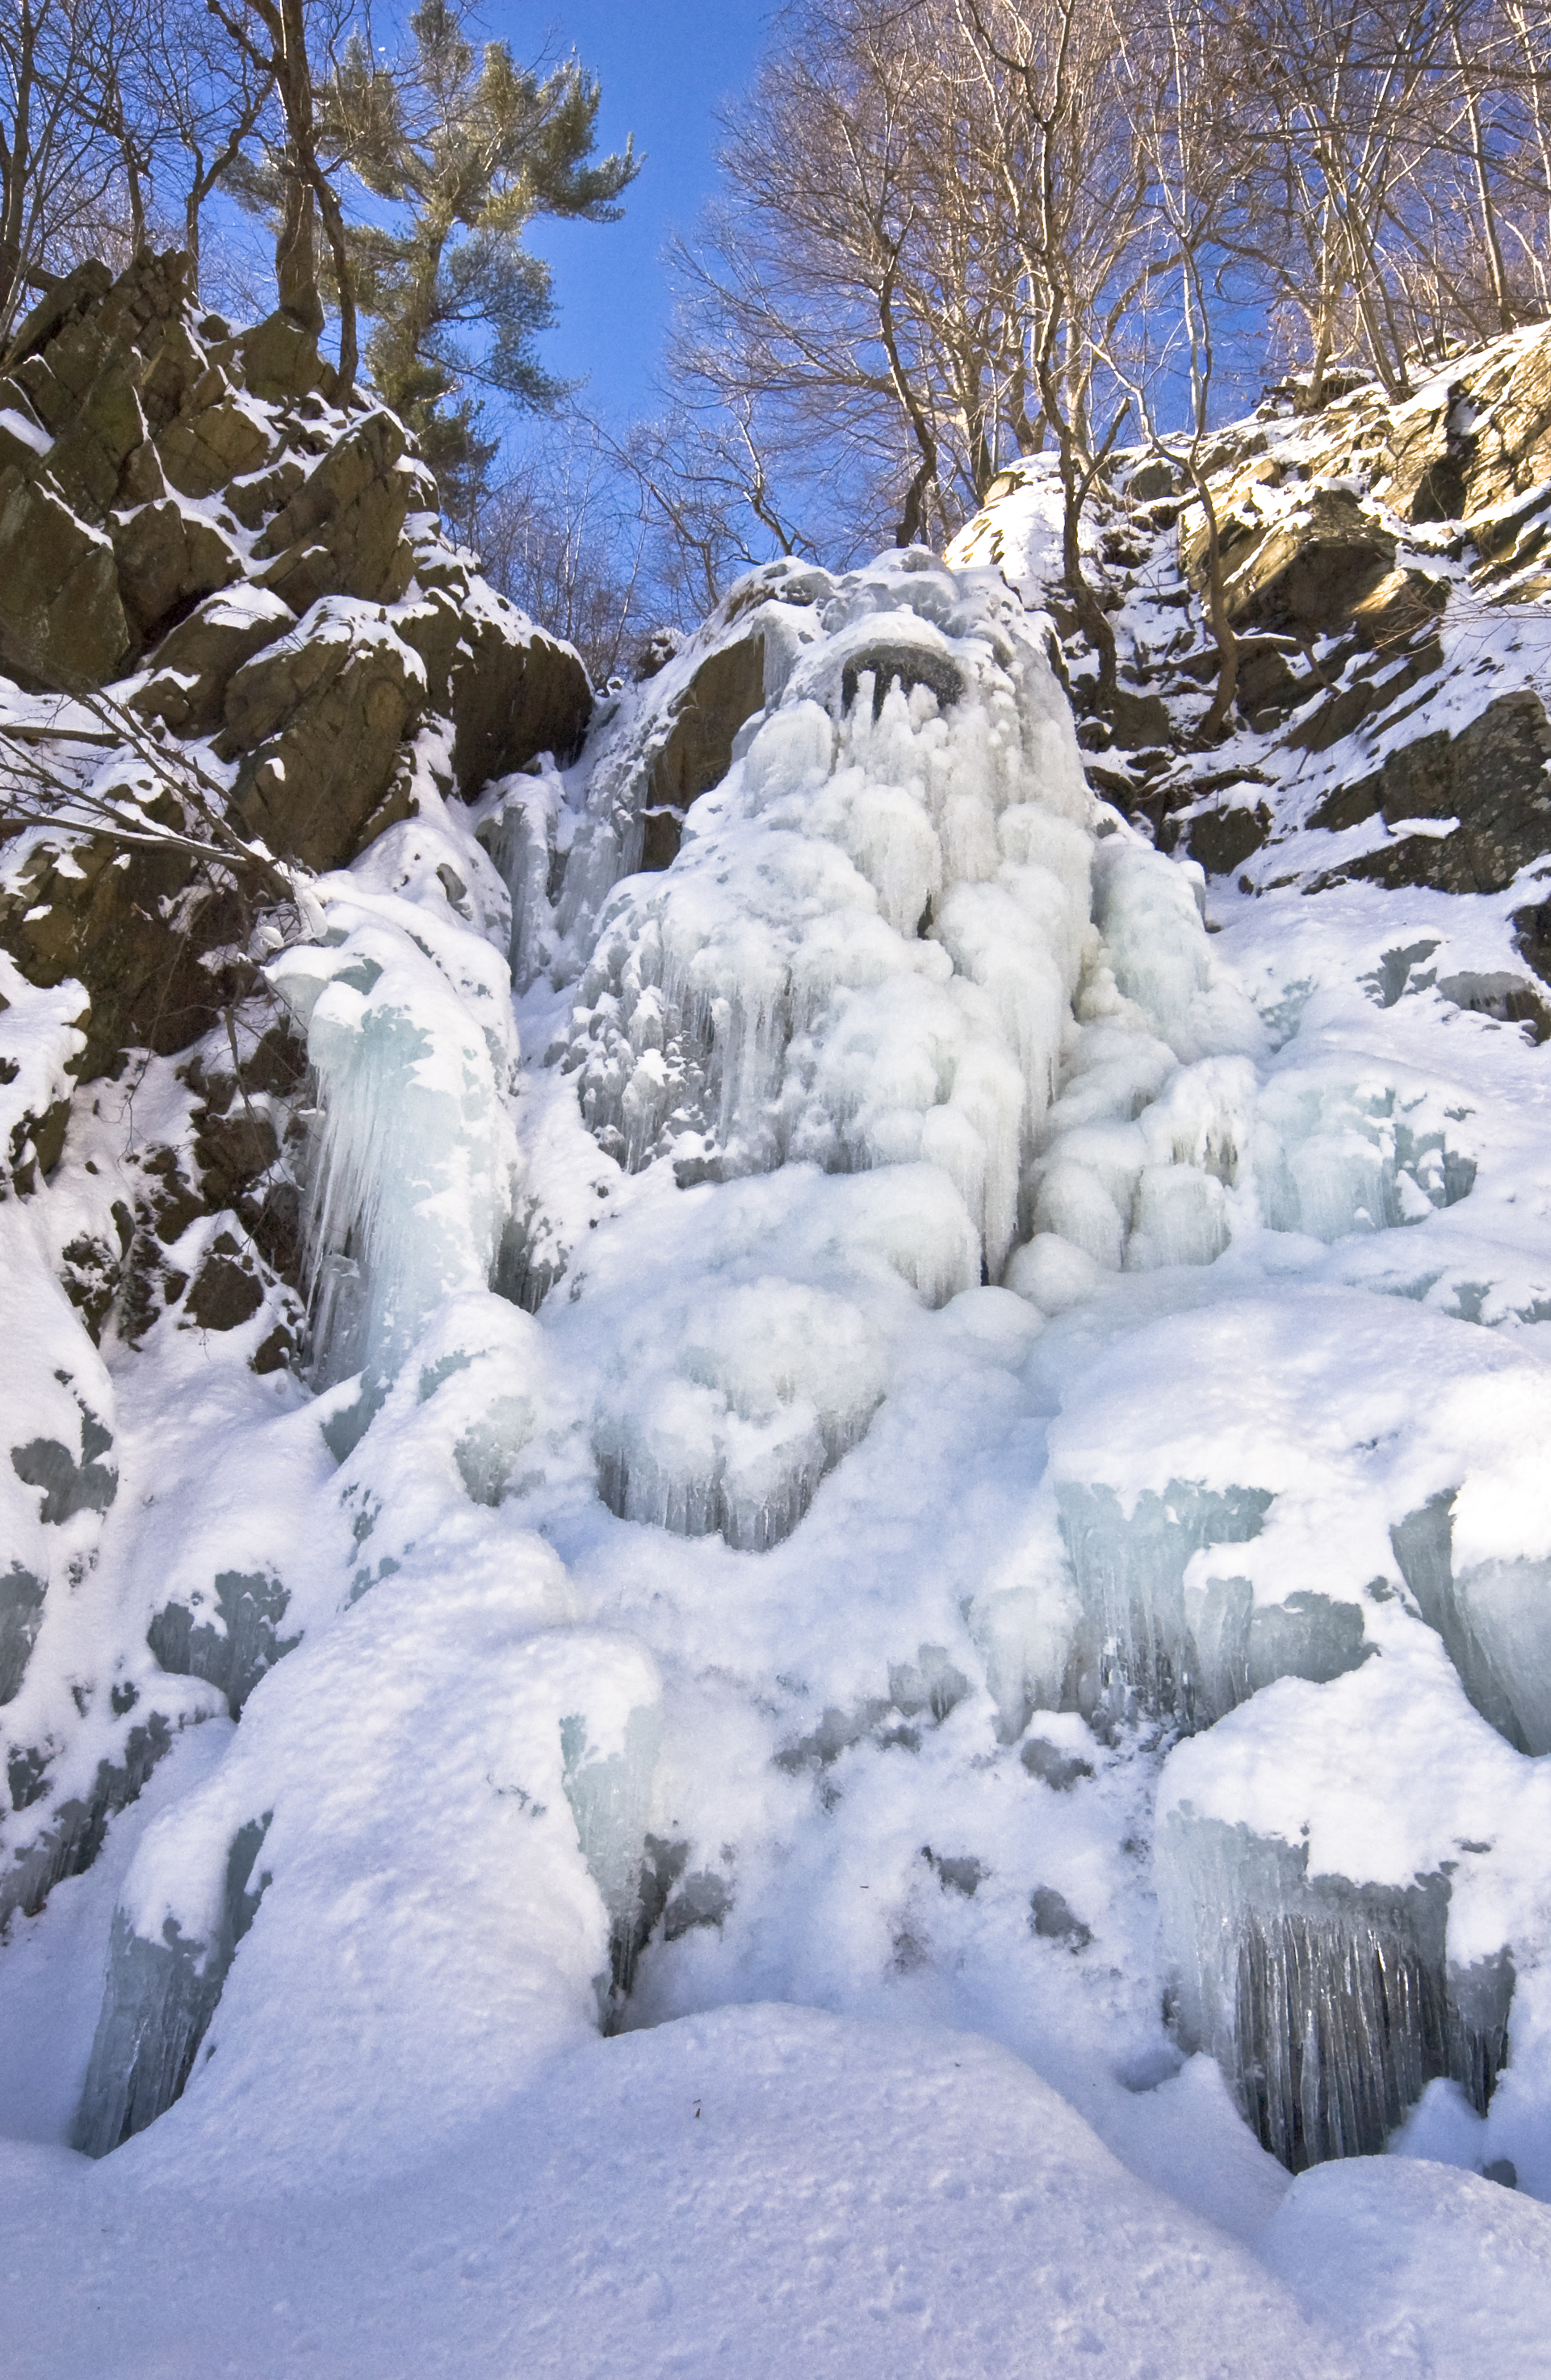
column 227, row 1288
column 512, row 692
column 176, row 366
column 279, row 361
column 254, row 498
column 79, row 293
column 167, row 559
column 433, row 626
column 62, row 623
column 1140, row 722
column 320, row 718
column 197, row 660
column 87, row 459
column 1485, row 440
column 1223, row 839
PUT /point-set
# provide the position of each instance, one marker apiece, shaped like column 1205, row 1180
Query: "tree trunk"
column 295, row 258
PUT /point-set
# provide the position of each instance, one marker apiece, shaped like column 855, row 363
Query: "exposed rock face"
column 1379, row 561
column 197, row 660
column 61, row 619
column 101, row 917
column 341, row 533
column 727, row 690
column 1491, row 779
column 167, row 559
column 1307, row 568
column 114, row 408
column 512, row 692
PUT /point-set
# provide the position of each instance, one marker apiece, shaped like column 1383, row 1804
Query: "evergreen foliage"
column 467, row 148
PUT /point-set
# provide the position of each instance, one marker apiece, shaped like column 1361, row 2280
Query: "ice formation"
column 408, row 1027
column 769, row 1385
column 1296, row 1453
column 865, row 952
column 1348, row 1934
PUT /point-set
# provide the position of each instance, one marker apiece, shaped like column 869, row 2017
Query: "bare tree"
column 857, row 281
column 1168, row 350
column 935, row 213
column 56, row 169
column 203, row 99
column 1057, row 84
column 563, row 536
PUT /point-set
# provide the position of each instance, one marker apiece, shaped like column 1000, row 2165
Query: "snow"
column 759, row 2187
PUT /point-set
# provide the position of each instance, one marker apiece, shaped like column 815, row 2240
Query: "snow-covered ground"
column 976, row 1661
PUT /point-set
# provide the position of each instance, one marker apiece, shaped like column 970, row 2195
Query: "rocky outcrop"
column 197, row 662
column 135, row 928
column 168, row 557
column 341, row 533
column 119, row 416
column 1386, row 568
column 186, row 503
column 1477, row 805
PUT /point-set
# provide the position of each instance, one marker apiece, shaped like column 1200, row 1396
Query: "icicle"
column 1329, row 2006
column 415, row 1161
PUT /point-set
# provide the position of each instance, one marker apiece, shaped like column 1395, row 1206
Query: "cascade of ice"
column 1345, row 1874
column 865, row 953
column 409, row 1031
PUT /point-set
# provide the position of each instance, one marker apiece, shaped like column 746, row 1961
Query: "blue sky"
column 663, row 66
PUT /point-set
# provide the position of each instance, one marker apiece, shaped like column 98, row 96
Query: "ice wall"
column 160, row 1996
column 1494, row 1616
column 1328, row 2003
column 1227, row 1485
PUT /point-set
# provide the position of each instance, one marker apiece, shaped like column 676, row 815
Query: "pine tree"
column 470, row 148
